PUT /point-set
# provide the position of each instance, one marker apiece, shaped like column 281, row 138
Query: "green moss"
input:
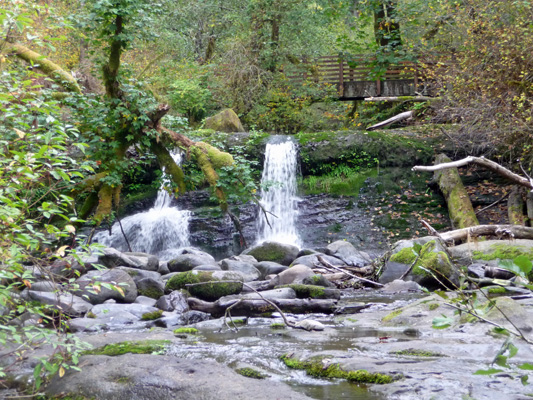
column 503, row 252
column 418, row 353
column 316, row 368
column 124, row 380
column 90, row 314
column 391, row 316
column 308, row 291
column 497, row 290
column 433, row 306
column 429, row 259
column 139, row 347
column 404, row 256
column 152, row 292
column 268, row 252
column 210, row 291
column 251, row 373
column 277, row 325
column 240, row 321
column 189, row 331
column 149, row 316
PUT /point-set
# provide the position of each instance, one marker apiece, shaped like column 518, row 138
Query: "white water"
column 157, row 231
column 279, row 174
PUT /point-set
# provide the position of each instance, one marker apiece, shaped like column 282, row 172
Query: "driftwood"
column 460, row 208
column 396, row 118
column 402, row 98
column 500, row 231
column 258, row 307
column 331, row 266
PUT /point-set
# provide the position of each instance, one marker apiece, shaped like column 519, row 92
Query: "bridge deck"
column 402, row 79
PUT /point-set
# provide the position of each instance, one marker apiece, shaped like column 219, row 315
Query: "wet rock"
column 126, row 289
column 401, row 286
column 187, row 262
column 207, row 285
column 175, row 301
column 112, row 258
column 310, row 325
column 69, row 267
column 68, row 303
column 167, row 321
column 138, row 274
column 346, row 252
column 295, row 274
column 163, row 268
column 194, row 317
column 118, row 311
column 147, row 376
column 490, row 251
column 312, row 260
column 76, row 325
column 476, row 270
column 315, row 292
column 207, row 267
column 147, row 301
column 318, row 280
column 45, row 286
column 273, row 251
column 273, row 294
column 149, row 287
column 225, row 121
column 248, row 270
column 392, row 271
column 270, row 268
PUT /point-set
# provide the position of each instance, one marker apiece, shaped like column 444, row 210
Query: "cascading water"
column 158, row 231
column 279, row 194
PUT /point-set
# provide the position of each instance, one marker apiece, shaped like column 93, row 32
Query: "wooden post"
column 341, row 77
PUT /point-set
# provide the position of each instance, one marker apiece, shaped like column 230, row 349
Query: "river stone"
column 115, row 310
column 225, row 121
column 273, row 294
column 175, row 301
column 273, row 251
column 147, row 301
column 112, row 258
column 312, row 260
column 121, row 279
column 210, row 291
column 295, row 274
column 138, row 274
column 318, row 280
column 494, row 249
column 68, row 303
column 76, row 325
column 45, row 286
column 398, row 285
column 249, row 271
column 346, row 252
column 149, row 287
column 315, row 292
column 149, row 376
column 270, row 268
column 207, row 267
column 392, row 271
column 310, row 325
column 187, row 262
column 69, row 267
column 163, row 268
column 513, row 312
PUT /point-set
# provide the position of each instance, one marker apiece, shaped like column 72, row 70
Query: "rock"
column 76, row 325
column 147, row 301
column 476, row 270
column 318, row 280
column 45, row 286
column 163, row 268
column 175, row 301
column 67, row 302
column 310, row 325
column 194, row 317
column 167, row 321
column 207, row 267
column 212, row 289
column 273, row 251
column 346, row 252
column 149, row 287
column 249, row 271
column 514, row 312
column 490, row 251
column 401, row 286
column 148, row 376
column 112, row 258
column 106, row 311
column 314, row 292
column 392, row 271
column 69, row 267
column 270, row 268
column 244, row 258
column 187, row 262
column 295, row 274
column 138, row 274
column 311, row 260
column 273, row 294
column 225, row 121
column 126, row 289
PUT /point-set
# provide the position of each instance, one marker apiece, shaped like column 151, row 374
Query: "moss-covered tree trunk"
column 516, row 206
column 460, row 208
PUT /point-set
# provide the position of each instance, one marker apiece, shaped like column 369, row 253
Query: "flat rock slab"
column 147, row 376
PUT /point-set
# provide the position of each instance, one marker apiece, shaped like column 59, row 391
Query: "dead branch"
column 331, row 266
column 396, row 118
column 509, row 231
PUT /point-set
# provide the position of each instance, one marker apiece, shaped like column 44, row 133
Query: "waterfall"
column 158, row 231
column 279, row 193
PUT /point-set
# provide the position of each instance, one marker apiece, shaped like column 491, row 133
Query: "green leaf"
column 489, row 371
column 512, row 350
column 524, row 380
column 442, row 322
column 524, row 263
column 526, row 366
column 501, row 361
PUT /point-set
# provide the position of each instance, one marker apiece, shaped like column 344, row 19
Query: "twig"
column 124, row 234
column 493, row 204
column 327, row 264
column 411, row 266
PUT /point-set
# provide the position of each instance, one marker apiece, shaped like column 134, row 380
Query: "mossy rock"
column 280, row 253
column 314, row 292
column 210, row 289
column 251, row 373
column 135, row 347
column 225, row 121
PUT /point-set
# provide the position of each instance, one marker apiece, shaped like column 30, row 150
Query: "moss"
column 240, row 321
column 391, row 316
column 404, row 256
column 418, row 353
column 503, row 252
column 429, row 259
column 139, row 347
column 308, row 291
column 251, row 373
column 268, row 252
column 152, row 292
column 188, row 331
column 211, row 291
column 149, row 316
column 277, row 325
column 124, row 380
column 497, row 290
column 433, row 306
column 90, row 314
column 316, row 368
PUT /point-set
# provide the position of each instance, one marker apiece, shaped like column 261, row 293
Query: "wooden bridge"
column 402, row 79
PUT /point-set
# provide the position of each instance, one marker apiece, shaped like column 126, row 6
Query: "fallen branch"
column 331, row 266
column 493, row 204
column 402, row 98
column 396, row 118
column 509, row 231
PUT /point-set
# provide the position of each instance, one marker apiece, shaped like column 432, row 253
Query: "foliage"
column 190, row 98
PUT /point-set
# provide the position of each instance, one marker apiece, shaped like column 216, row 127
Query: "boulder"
column 175, row 301
column 248, row 270
column 207, row 267
column 398, row 286
column 67, row 302
column 138, row 274
column 273, row 294
column 314, row 292
column 210, row 288
column 273, row 251
column 69, row 267
column 295, row 274
column 147, row 301
column 106, row 311
column 112, row 258
column 89, row 287
column 225, row 121
column 45, row 286
column 149, row 287
column 270, row 268
column 346, row 252
column 311, row 260
column 187, row 262
column 318, row 280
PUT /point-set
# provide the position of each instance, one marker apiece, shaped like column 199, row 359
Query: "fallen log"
column 331, row 266
column 460, row 208
column 259, row 307
column 402, row 98
column 396, row 118
column 501, row 231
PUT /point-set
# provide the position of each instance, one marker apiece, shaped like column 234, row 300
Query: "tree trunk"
column 515, row 207
column 460, row 208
